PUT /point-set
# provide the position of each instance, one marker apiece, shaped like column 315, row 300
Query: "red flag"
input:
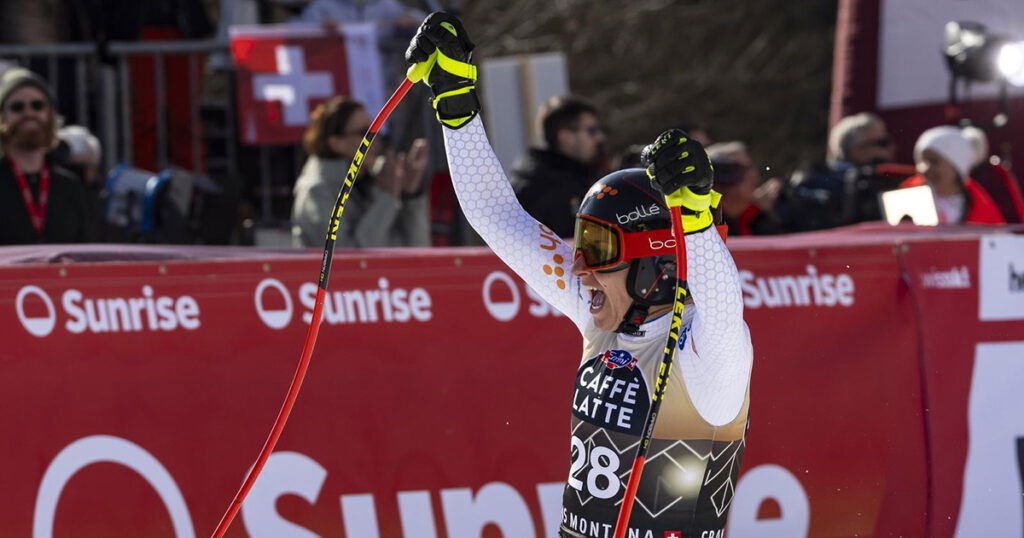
column 283, row 72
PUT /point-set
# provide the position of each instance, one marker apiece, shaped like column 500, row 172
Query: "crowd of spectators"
column 842, row 189
column 52, row 182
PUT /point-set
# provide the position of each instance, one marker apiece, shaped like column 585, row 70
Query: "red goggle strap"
column 644, row 244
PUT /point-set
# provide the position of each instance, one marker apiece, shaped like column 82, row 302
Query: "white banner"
column 1001, row 278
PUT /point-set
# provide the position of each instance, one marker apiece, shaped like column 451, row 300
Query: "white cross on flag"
column 673, row 534
column 283, row 71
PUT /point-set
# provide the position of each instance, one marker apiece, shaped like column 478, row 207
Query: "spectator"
column 747, row 209
column 394, row 23
column 550, row 182
column 944, row 156
column 387, row 206
column 40, row 202
column 844, row 189
column 998, row 181
column 390, row 16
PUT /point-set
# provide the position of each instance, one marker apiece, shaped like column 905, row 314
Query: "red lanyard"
column 36, row 213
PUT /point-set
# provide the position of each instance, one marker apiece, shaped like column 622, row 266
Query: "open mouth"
column 597, row 299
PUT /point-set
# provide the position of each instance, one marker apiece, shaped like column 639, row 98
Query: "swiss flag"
column 284, row 71
column 673, row 534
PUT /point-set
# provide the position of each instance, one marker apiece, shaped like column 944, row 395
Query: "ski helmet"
column 623, row 223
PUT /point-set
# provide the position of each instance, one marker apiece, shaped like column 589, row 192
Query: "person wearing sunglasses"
column 550, row 181
column 40, row 202
column 615, row 283
column 387, row 206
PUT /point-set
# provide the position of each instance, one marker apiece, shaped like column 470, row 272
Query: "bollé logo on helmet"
column 638, row 212
column 148, row 312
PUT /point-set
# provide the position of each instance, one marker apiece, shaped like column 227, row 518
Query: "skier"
column 616, row 285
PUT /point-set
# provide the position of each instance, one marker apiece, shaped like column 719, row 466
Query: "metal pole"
column 81, row 91
column 126, row 109
column 229, row 129
column 51, row 73
column 265, row 185
column 161, row 112
column 194, row 127
column 108, row 113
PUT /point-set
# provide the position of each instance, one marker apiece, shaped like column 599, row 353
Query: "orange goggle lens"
column 604, row 246
column 598, row 243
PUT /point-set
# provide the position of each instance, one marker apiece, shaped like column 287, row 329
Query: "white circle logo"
column 39, row 327
column 101, row 449
column 502, row 311
column 275, row 319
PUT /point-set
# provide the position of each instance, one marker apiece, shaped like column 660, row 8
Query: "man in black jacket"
column 551, row 182
column 39, row 202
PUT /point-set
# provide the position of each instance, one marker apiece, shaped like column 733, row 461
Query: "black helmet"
column 624, row 222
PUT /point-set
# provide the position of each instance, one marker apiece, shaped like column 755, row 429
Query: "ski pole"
column 415, row 73
column 622, row 522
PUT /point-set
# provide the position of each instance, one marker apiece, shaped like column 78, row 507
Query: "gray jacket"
column 378, row 219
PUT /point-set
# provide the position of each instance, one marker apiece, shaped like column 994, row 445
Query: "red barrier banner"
column 437, row 403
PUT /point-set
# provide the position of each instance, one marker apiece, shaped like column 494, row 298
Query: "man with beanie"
column 39, row 202
column 944, row 157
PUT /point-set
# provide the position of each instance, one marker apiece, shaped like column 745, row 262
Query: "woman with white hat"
column 944, row 157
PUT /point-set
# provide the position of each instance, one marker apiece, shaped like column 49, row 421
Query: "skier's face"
column 609, row 300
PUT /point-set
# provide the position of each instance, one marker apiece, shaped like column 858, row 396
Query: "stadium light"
column 976, row 54
column 1010, row 62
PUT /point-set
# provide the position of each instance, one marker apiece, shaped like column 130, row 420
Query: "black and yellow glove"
column 443, row 42
column 681, row 170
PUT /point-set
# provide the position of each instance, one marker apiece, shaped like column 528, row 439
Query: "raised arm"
column 716, row 358
column 534, row 252
column 528, row 247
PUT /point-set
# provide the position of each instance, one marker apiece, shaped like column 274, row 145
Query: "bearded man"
column 39, row 202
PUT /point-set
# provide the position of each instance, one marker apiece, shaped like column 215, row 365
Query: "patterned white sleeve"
column 716, row 361
column 532, row 250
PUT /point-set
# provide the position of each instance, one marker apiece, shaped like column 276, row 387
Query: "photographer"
column 844, row 189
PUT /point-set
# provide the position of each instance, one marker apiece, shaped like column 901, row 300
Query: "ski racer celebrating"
column 615, row 283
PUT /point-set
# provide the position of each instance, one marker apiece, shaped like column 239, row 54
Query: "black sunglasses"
column 19, row 106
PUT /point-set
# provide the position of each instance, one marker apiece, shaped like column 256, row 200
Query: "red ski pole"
column 413, row 76
column 622, row 522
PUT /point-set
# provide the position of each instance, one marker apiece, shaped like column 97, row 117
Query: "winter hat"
column 949, row 142
column 18, row 77
column 979, row 141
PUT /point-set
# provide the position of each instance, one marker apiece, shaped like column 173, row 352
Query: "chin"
column 607, row 323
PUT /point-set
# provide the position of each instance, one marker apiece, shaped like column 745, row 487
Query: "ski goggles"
column 605, row 246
